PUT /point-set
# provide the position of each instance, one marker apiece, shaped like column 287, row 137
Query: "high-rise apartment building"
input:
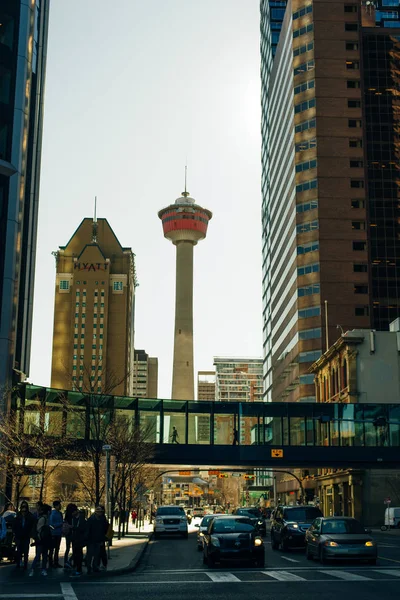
column 145, row 375
column 238, row 379
column 23, row 46
column 93, row 334
column 330, row 162
column 206, row 385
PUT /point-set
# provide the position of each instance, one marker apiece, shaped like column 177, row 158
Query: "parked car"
column 232, row 538
column 392, row 518
column 340, row 538
column 170, row 519
column 198, row 512
column 289, row 525
column 203, row 526
column 256, row 517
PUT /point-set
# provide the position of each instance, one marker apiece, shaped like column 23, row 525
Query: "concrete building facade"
column 329, row 183
column 184, row 223
column 23, row 48
column 93, row 337
column 145, row 375
column 206, row 385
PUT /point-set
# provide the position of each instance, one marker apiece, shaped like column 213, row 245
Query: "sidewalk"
column 124, row 554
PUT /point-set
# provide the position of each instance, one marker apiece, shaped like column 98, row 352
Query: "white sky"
column 133, row 89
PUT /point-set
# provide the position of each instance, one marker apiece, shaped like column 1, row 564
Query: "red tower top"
column 185, row 221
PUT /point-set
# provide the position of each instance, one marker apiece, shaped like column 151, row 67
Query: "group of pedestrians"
column 45, row 529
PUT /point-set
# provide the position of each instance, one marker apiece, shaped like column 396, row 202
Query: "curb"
column 131, row 566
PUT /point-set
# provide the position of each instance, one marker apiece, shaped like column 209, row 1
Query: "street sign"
column 277, row 453
column 213, row 472
column 236, row 474
column 106, row 447
column 185, row 472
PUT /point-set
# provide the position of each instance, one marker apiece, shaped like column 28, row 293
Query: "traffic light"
column 247, row 476
column 223, row 475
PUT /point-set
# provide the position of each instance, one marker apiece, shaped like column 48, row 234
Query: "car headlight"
column 260, row 522
column 183, row 519
column 258, row 542
column 293, row 526
column 331, row 544
column 159, row 520
column 201, row 534
column 370, row 543
column 215, row 541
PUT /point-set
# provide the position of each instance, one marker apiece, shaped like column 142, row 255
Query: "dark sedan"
column 340, row 538
column 255, row 516
column 232, row 538
column 289, row 525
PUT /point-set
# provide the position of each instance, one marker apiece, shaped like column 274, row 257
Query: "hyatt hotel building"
column 330, row 75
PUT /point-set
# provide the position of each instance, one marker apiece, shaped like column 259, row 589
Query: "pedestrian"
column 174, row 436
column 42, row 536
column 67, row 533
column 133, row 516
column 235, row 437
column 78, row 538
column 23, row 526
column 96, row 536
column 56, row 524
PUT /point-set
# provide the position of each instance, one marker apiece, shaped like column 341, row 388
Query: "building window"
column 355, row 123
column 94, row 325
column 350, row 8
column 351, row 26
column 306, row 269
column 82, row 346
column 361, row 289
column 312, row 311
column 77, row 293
column 310, row 247
column 101, row 326
column 306, row 379
column 355, row 143
column 298, row 32
column 83, row 304
column 308, row 290
column 302, row 106
column 356, row 164
column 303, row 68
column 306, row 185
column 305, row 125
column 357, row 203
column 101, row 336
column 356, row 183
column 361, row 311
column 353, row 103
column 352, row 46
column 303, row 87
column 75, row 346
column 102, row 305
column 93, row 346
column 359, row 246
column 305, row 166
column 353, row 83
column 96, row 293
column 75, row 335
column 360, row 225
column 83, row 325
column 82, row 336
column 306, row 206
column 310, row 334
column 117, row 286
column 352, row 64
column 307, row 226
column 360, row 268
column 64, row 284
column 305, row 10
column 306, row 145
column 74, row 368
column 303, row 49
column 84, row 292
column 102, row 293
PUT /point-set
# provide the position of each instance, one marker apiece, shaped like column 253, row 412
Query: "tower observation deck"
column 184, row 224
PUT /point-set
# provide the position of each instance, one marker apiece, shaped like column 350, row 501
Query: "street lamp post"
column 107, row 450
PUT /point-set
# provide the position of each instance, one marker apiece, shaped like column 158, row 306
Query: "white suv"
column 170, row 519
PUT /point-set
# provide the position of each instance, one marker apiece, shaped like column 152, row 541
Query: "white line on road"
column 223, row 577
column 7, row 596
column 346, row 576
column 283, row 576
column 388, row 572
column 68, row 592
column 289, row 559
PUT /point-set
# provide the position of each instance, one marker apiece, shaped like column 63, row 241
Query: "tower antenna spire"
column 94, row 226
column 185, row 194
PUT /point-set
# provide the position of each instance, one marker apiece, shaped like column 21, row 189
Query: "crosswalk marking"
column 346, row 575
column 283, row 576
column 223, row 577
column 388, row 572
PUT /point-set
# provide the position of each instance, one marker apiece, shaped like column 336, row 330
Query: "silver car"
column 203, row 525
column 340, row 538
column 170, row 519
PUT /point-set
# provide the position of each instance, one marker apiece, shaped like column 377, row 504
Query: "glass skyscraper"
column 23, row 42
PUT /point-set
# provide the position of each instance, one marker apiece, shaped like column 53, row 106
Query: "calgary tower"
column 184, row 224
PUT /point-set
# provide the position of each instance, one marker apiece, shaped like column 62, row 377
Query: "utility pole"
column 107, row 450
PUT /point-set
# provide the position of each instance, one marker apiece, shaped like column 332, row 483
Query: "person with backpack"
column 78, row 537
column 42, row 535
column 67, row 533
column 56, row 524
column 23, row 526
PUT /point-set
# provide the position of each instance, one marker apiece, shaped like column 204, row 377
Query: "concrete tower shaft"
column 184, row 224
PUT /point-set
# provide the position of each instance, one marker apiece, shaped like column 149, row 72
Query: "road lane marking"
column 289, row 559
column 391, row 559
column 346, row 576
column 7, row 596
column 68, row 592
column 223, row 577
column 388, row 572
column 283, row 576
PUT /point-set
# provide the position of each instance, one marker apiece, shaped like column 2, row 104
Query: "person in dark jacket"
column 67, row 532
column 78, row 537
column 56, row 524
column 23, row 527
column 97, row 530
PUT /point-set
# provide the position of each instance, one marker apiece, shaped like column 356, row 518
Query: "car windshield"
column 205, row 520
column 170, row 510
column 232, row 526
column 305, row 515
column 251, row 512
column 342, row 526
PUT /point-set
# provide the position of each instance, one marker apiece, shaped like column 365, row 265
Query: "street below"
column 172, row 569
